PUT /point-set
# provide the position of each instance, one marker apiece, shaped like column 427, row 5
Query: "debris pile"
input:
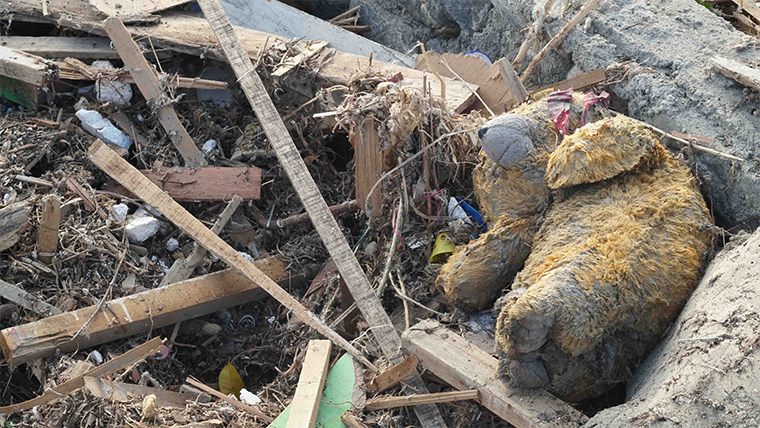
column 279, row 224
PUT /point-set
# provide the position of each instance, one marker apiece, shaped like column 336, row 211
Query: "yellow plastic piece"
column 442, row 249
column 230, row 381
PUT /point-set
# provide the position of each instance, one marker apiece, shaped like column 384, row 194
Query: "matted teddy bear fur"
column 610, row 256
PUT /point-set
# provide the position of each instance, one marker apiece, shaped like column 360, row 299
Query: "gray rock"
column 704, row 374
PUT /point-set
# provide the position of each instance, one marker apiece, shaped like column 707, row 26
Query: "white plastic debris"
column 455, row 210
column 102, row 128
column 211, row 329
column 249, row 398
column 115, row 91
column 209, row 146
column 139, row 229
column 95, row 358
column 172, row 245
column 119, row 212
column 246, row 256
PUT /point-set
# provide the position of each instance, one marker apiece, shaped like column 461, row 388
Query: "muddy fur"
column 613, row 254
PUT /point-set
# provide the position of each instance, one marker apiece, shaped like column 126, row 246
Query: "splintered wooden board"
column 202, row 184
column 342, row 387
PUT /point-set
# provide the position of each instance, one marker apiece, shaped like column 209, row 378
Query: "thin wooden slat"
column 743, row 74
column 512, row 80
column 129, row 177
column 381, row 403
column 122, row 361
column 231, row 400
column 146, row 80
column 305, row 405
column 26, row 67
column 26, row 300
column 62, row 47
column 50, row 219
column 294, row 166
column 393, row 375
column 369, row 166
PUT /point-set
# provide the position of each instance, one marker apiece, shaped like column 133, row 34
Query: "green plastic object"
column 337, row 396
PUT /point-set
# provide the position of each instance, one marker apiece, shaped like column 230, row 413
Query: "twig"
column 398, row 227
column 433, row 70
column 535, row 30
column 402, row 291
column 402, row 294
column 559, row 37
column 233, row 401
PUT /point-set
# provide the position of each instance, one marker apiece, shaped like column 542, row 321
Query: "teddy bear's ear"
column 599, row 151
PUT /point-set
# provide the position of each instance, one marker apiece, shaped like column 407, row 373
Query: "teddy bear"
column 595, row 240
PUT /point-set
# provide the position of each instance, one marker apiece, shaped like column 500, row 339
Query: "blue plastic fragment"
column 481, row 55
column 473, row 213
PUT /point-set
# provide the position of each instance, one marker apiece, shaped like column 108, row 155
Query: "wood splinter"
column 47, row 240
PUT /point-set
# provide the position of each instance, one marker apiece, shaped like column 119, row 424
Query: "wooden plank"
column 62, row 47
column 146, row 80
column 512, row 80
column 135, row 7
column 391, row 377
column 578, row 82
column 73, row 69
column 750, row 7
column 369, row 162
column 231, row 400
column 26, row 68
column 50, row 220
column 134, row 314
column 381, row 403
column 305, row 405
column 129, row 177
column 466, row 366
column 13, row 221
column 124, row 360
column 336, row 244
column 202, row 184
column 183, row 269
column 26, row 300
column 743, row 74
column 277, row 18
column 125, row 392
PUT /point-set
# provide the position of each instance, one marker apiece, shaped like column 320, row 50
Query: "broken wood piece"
column 699, row 138
column 370, row 162
column 90, row 204
column 32, row 180
column 129, row 177
column 743, row 74
column 73, row 69
column 336, row 210
column 26, row 68
column 124, row 360
column 50, row 220
column 26, row 300
column 391, row 377
column 381, row 403
column 305, row 405
column 135, row 314
column 512, row 80
column 146, row 80
column 465, row 366
column 345, row 14
column 183, row 269
column 231, row 400
column 578, row 82
column 559, row 37
column 13, row 221
column 202, row 184
column 293, row 62
column 325, row 224
column 125, row 392
column 62, row 47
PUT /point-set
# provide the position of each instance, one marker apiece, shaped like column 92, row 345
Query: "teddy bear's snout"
column 506, row 139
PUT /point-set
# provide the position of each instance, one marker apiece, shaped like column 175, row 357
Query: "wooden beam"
column 466, row 366
column 381, row 403
column 743, row 74
column 305, row 405
column 50, row 220
column 123, row 361
column 146, row 80
column 62, row 47
column 183, row 269
column 512, row 80
column 129, row 177
column 231, row 400
column 135, row 314
column 369, row 162
column 13, row 221
column 391, row 377
column 27, row 301
column 202, row 184
column 74, row 69
column 26, row 67
column 336, row 244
